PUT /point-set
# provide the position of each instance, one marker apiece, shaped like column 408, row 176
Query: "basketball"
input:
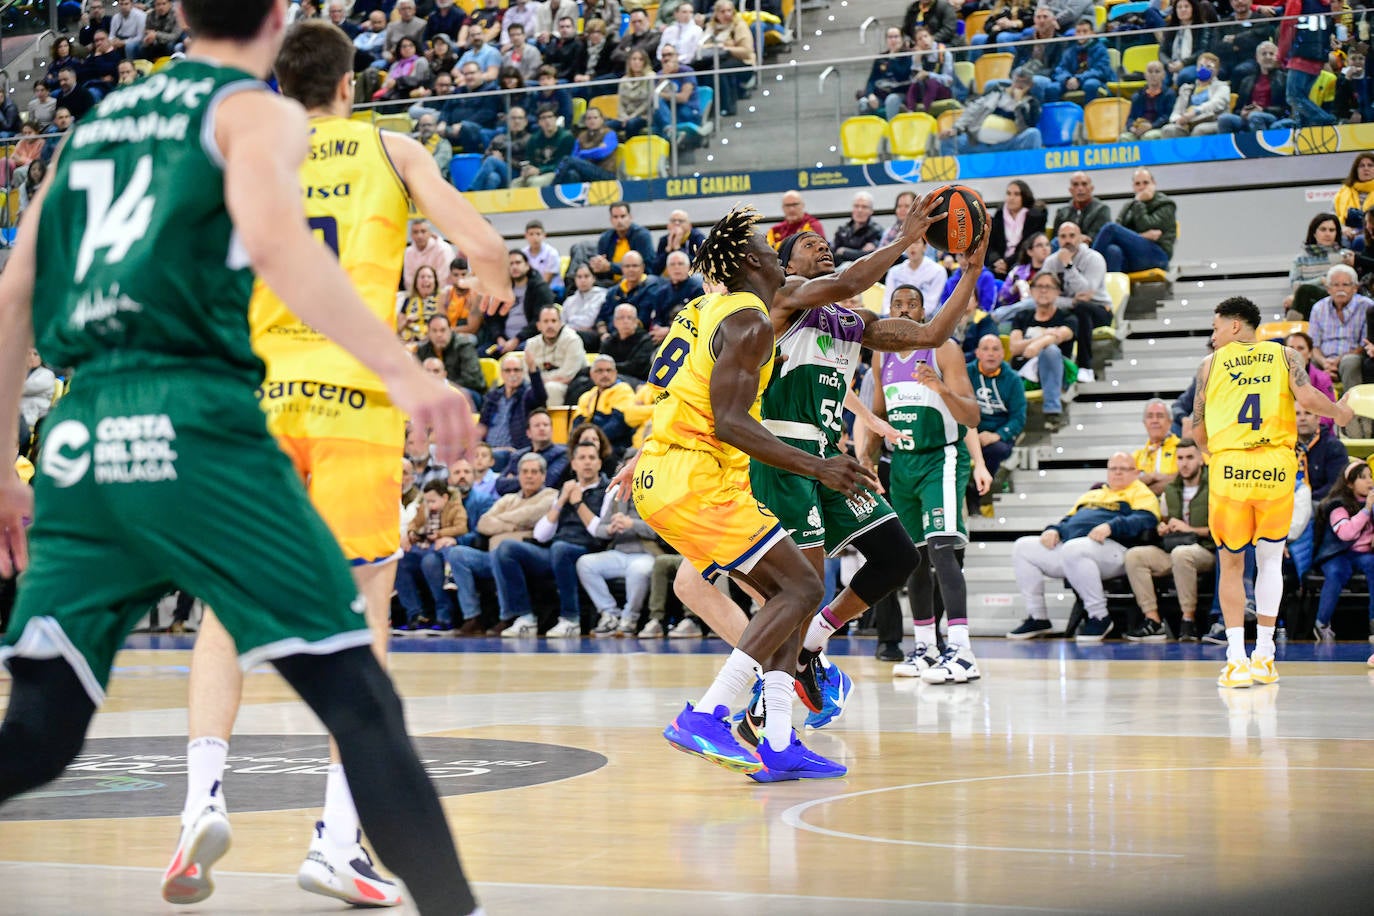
column 967, row 218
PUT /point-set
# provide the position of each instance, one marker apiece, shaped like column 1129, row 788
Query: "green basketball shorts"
column 927, row 490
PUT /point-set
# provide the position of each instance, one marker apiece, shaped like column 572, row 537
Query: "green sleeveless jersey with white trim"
column 139, row 265
column 913, row 407
column 823, row 351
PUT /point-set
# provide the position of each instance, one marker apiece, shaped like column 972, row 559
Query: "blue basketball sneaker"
column 709, row 737
column 796, row 762
column 836, row 687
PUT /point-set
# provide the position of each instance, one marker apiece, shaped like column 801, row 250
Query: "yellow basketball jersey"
column 1249, row 400
column 682, row 369
column 359, row 207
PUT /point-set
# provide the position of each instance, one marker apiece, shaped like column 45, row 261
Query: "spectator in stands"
column 370, row 42
column 932, row 74
column 1248, row 27
column 462, row 314
column 1320, row 252
column 592, row 154
column 421, row 454
column 418, row 305
column 861, row 234
column 60, row 56
column 548, row 95
column 680, row 235
column 128, row 27
column 1085, row 547
column 458, row 355
column 1019, row 217
column 1321, row 453
column 545, row 149
column 409, row 72
column 900, row 208
column 985, row 293
column 630, row 345
column 624, row 236
column 94, row 16
column 100, row 66
column 920, row 272
column 126, row 74
column 442, row 56
column 518, row 13
column 1200, row 102
column 1352, row 198
column 681, row 105
column 163, row 31
column 40, row 384
column 584, row 433
column 1151, row 107
column 435, row 528
column 1039, row 57
column 1304, row 52
column 33, row 176
column 1186, row 550
column 634, row 98
column 634, row 288
column 599, row 46
column 1261, row 102
column 583, row 306
column 561, row 536
column 445, row 19
column 1001, row 401
column 667, row 295
column 611, row 404
column 640, row 36
column 936, row 16
column 41, row 107
column 505, row 410
column 427, row 133
column 1346, row 544
column 1084, row 65
column 1143, row 235
column 404, row 25
column 508, row 151
column 71, row 96
column 683, row 34
column 1068, row 13
column 556, row 353
column 1014, row 295
column 1301, row 343
column 1083, row 209
column 522, row 56
column 1002, row 119
column 532, row 295
column 728, row 45
column 1082, row 275
column 794, row 219
column 629, row 556
column 1037, row 342
column 539, row 428
column 425, row 249
column 1157, row 460
column 61, row 123
column 1009, row 21
column 484, row 470
column 888, row 78
column 462, row 478
column 543, row 257
column 469, row 117
column 567, row 53
column 1187, row 39
column 511, row 518
column 1338, row 327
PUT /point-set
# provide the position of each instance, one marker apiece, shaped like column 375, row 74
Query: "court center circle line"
column 793, row 817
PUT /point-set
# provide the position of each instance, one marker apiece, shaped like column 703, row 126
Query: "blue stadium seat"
column 463, row 168
column 1059, row 123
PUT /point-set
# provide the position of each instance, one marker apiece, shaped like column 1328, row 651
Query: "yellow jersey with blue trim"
column 1249, row 398
column 359, row 207
column 683, row 417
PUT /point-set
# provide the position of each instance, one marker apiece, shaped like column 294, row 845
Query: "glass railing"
column 21, row 19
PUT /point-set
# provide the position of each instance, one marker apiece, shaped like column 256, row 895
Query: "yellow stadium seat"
column 1153, row 275
column 608, row 105
column 873, row 298
column 861, row 139
column 965, row 72
column 1119, row 289
column 491, row 371
column 563, row 263
column 1105, row 119
column 947, row 118
column 995, row 66
column 1101, row 12
column 644, row 157
column 1134, row 59
column 1280, row 329
column 973, row 25
column 400, row 123
column 367, row 116
column 144, row 67
column 910, row 131
column 579, row 109
column 562, row 423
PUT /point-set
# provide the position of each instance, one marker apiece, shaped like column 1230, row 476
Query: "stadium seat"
column 1119, row 289
column 491, row 371
column 965, row 73
column 706, row 97
column 1059, row 123
column 400, row 123
column 644, row 157
column 861, row 139
column 910, row 131
column 563, row 263
column 946, row 119
column 463, row 168
column 366, row 116
column 996, row 66
column 144, row 67
column 562, row 423
column 1133, row 61
column 973, row 25
column 1105, row 119
column 1153, row 275
column 873, row 298
column 608, row 105
column 579, row 109
column 1280, row 330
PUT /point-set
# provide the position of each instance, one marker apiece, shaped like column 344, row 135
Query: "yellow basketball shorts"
column 347, row 445
column 1250, row 496
column 707, row 512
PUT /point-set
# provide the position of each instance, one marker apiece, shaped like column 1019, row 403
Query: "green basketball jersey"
column 913, row 407
column 822, row 349
column 139, row 265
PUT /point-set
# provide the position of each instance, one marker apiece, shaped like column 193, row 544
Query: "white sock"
column 1235, row 644
column 958, row 636
column 818, row 633
column 204, row 768
column 1264, row 641
column 778, row 690
column 340, row 818
column 735, row 677
column 925, row 633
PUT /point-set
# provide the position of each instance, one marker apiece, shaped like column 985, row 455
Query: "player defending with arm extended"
column 1243, row 415
column 692, row 486
column 331, row 415
column 160, row 473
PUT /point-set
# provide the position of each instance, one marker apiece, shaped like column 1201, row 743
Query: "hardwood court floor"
column 1113, row 778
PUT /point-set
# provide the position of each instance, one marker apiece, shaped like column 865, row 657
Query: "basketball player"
column 158, row 471
column 1243, row 416
column 691, row 485
column 331, row 415
column 927, row 394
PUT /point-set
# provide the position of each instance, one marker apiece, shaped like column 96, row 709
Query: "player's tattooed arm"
column 1313, row 400
column 1200, row 405
column 1297, row 368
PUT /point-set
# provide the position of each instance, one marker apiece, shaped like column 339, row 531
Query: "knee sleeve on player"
column 949, row 572
column 44, row 726
column 1268, row 578
column 889, row 555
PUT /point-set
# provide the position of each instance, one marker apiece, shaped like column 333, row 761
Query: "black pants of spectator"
column 995, row 453
column 1090, row 317
column 49, row 712
column 727, row 97
column 182, row 612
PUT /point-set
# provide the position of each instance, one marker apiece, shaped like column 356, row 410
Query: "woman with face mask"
column 1200, row 102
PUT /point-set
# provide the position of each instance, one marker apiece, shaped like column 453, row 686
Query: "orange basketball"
column 965, row 223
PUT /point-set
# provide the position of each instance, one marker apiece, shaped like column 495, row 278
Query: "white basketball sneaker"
column 956, row 666
column 203, row 842
column 917, row 661
column 345, row 873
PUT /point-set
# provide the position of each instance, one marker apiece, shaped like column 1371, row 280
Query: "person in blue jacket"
column 1084, row 66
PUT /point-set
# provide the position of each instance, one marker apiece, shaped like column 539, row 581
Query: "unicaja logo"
column 63, row 457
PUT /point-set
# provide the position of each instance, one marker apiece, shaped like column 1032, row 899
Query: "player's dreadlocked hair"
column 721, row 257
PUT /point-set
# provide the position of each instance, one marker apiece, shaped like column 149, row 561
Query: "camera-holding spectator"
column 1002, row 119
column 1157, row 459
column 661, row 303
column 861, row 234
column 1085, row 547
column 625, row 235
column 545, row 149
column 1084, row 65
column 458, row 356
column 888, row 78
column 1037, row 339
column 630, row 345
column 920, row 272
column 630, row 556
column 1144, row 232
column 680, row 235
column 505, row 409
column 1200, row 102
column 1346, row 542
column 435, row 528
column 1261, row 102
column 795, row 219
column 1321, row 454
column 1083, row 209
column 556, row 353
column 1186, row 550
column 539, row 428
column 1082, row 274
column 1338, row 328
column 1151, row 107
column 936, row 16
column 1186, row 39
column 1301, row 343
column 1001, row 401
column 1018, row 218
column 611, row 404
column 561, row 536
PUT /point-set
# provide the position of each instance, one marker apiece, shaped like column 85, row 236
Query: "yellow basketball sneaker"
column 1262, row 670
column 1236, row 675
